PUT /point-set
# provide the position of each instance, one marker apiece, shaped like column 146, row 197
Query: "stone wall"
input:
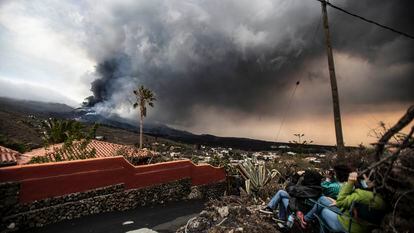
column 73, row 197
column 112, row 198
column 9, row 196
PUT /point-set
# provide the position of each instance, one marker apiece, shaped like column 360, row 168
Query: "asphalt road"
column 160, row 218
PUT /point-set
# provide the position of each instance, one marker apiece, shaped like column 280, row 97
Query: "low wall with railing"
column 40, row 181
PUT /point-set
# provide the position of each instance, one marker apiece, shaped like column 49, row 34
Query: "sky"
column 227, row 67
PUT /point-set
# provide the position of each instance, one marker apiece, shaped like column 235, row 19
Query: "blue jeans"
column 280, row 197
column 331, row 219
column 317, row 209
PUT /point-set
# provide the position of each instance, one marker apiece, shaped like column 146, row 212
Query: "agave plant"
column 256, row 175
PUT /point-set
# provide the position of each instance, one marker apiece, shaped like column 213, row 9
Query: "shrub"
column 224, row 162
column 17, row 146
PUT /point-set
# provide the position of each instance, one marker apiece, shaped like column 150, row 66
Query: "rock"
column 195, row 193
column 204, row 213
column 223, row 211
column 11, row 225
column 229, row 214
column 142, row 230
column 127, row 223
column 198, row 224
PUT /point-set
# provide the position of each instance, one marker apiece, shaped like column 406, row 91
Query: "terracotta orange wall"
column 40, row 181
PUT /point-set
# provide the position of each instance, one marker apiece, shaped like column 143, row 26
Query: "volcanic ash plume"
column 241, row 57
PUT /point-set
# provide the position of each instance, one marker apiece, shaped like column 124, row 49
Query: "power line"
column 317, row 28
column 368, row 20
column 287, row 109
column 296, row 86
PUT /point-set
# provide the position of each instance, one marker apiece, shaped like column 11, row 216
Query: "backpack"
column 299, row 193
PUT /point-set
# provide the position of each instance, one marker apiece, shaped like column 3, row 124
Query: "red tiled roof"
column 8, row 156
column 103, row 149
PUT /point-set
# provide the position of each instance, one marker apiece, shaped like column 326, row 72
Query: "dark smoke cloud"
column 245, row 56
column 109, row 72
column 363, row 39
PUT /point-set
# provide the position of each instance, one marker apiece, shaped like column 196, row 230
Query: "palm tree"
column 57, row 130
column 143, row 96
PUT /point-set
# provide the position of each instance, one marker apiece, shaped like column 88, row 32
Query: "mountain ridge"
column 85, row 115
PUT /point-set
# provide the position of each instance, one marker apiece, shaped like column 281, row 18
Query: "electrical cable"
column 296, row 86
column 287, row 109
column 367, row 20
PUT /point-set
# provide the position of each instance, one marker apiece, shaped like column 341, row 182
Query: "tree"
column 300, row 142
column 143, row 97
column 59, row 130
column 75, row 137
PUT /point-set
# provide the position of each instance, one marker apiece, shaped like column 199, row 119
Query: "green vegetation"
column 75, row 138
column 195, row 159
column 224, row 162
column 256, row 175
column 17, row 146
column 57, row 130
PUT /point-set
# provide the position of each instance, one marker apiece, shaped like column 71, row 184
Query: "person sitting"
column 351, row 194
column 308, row 184
column 331, row 185
column 330, row 189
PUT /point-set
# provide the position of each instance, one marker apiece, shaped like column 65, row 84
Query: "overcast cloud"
column 216, row 65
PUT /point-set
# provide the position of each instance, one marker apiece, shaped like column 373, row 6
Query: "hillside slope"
column 17, row 131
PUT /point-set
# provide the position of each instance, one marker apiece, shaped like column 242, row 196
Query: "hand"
column 352, row 177
column 300, row 172
column 333, row 203
column 328, row 174
column 367, row 181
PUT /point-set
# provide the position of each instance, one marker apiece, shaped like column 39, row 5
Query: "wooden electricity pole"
column 334, row 87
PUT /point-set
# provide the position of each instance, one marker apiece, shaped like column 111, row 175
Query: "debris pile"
column 230, row 214
column 394, row 174
column 399, row 189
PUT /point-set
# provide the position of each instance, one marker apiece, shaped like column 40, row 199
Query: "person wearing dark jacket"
column 306, row 184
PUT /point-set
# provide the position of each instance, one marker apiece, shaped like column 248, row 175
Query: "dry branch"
column 404, row 121
column 392, row 157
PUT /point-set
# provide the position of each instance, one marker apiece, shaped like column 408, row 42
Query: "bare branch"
column 404, row 121
column 404, row 145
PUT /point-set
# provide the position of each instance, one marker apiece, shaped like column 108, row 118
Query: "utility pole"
column 334, row 87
